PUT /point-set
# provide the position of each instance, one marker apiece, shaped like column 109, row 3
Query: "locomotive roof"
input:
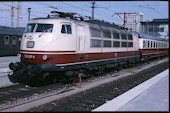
column 11, row 30
column 98, row 22
column 147, row 36
column 105, row 24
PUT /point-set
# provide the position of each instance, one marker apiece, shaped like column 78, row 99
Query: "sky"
column 104, row 10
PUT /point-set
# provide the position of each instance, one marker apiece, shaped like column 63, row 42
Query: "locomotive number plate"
column 30, row 44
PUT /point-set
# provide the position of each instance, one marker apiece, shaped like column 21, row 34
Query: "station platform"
column 4, row 61
column 4, row 69
column 151, row 95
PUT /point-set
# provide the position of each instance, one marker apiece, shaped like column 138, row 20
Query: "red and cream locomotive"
column 65, row 46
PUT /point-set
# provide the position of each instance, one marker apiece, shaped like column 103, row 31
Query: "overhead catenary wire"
column 84, row 9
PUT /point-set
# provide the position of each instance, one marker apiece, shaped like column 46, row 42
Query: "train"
column 10, row 39
column 66, row 46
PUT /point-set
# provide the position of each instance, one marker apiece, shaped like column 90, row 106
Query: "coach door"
column 81, row 38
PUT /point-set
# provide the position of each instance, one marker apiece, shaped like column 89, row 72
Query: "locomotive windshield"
column 38, row 27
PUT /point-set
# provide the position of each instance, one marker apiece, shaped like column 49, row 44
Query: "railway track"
column 92, row 98
column 59, row 91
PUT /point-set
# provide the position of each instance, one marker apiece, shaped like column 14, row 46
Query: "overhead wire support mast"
column 93, row 3
column 124, row 19
column 18, row 8
column 18, row 14
column 12, row 14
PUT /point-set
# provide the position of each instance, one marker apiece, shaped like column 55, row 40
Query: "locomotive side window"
column 124, row 44
column 14, row 40
column 130, row 44
column 107, row 43
column 123, row 36
column 63, row 30
column 106, row 34
column 95, row 43
column 116, row 35
column 66, row 29
column 130, row 37
column 6, row 40
column 116, row 44
column 95, row 32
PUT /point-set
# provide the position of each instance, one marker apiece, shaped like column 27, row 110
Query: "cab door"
column 81, row 42
column 81, row 38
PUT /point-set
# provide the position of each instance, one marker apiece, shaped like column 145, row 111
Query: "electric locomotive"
column 65, row 46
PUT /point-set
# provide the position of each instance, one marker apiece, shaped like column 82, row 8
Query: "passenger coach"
column 152, row 46
column 10, row 39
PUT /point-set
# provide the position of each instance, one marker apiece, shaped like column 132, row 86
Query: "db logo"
column 30, row 37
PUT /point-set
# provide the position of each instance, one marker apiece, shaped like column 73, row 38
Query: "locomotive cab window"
column 39, row 27
column 66, row 29
column 30, row 28
column 44, row 28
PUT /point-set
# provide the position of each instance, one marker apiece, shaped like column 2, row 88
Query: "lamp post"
column 29, row 11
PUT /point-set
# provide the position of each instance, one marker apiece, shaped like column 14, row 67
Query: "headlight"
column 19, row 55
column 45, row 57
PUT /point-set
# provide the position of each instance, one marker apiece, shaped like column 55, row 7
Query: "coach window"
column 158, row 44
column 6, row 40
column 154, row 44
column 151, row 44
column 66, row 29
column 148, row 43
column 165, row 44
column 116, row 35
column 14, row 40
column 144, row 45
